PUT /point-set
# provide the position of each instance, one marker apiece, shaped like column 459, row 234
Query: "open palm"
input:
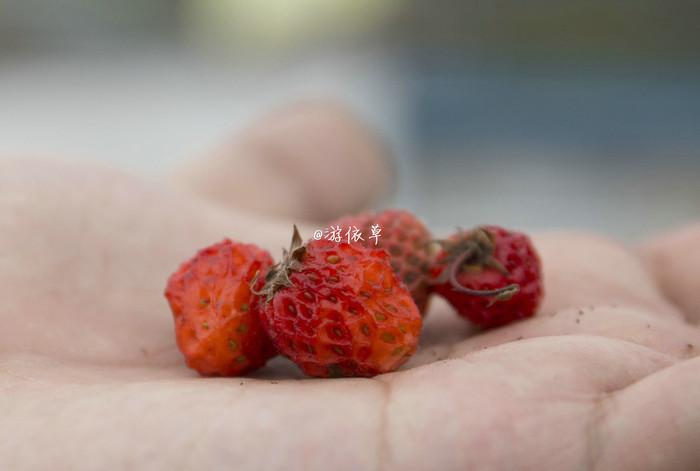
column 605, row 377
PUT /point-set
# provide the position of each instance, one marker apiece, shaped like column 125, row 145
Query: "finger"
column 674, row 259
column 85, row 258
column 313, row 161
column 584, row 270
column 654, row 424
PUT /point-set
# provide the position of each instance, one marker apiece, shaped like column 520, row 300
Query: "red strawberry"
column 215, row 313
column 490, row 275
column 337, row 309
column 406, row 239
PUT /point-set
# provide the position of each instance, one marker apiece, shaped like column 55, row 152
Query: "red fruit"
column 215, row 312
column 406, row 239
column 490, row 275
column 337, row 309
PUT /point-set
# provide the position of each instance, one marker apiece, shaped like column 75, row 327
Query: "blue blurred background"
column 537, row 114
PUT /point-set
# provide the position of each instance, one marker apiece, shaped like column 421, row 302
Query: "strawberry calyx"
column 473, row 251
column 278, row 275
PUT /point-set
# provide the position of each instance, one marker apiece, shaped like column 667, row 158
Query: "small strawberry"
column 490, row 275
column 337, row 309
column 406, row 239
column 216, row 323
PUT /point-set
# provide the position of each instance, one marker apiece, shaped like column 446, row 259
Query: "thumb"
column 312, row 161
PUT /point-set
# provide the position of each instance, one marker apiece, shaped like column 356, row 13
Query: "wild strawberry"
column 490, row 275
column 216, row 323
column 406, row 239
column 337, row 309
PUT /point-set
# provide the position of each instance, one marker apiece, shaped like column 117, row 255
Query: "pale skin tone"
column 606, row 376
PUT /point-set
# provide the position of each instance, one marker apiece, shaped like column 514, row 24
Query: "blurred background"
column 537, row 114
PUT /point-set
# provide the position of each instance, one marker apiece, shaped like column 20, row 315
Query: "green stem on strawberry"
column 499, row 294
column 278, row 275
column 478, row 249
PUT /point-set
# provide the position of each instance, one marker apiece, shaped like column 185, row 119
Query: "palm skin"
column 606, row 376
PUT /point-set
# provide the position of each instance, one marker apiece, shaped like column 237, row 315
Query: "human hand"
column 605, row 377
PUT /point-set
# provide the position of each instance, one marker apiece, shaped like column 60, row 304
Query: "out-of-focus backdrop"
column 537, row 114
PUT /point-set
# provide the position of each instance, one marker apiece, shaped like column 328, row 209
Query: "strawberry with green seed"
column 338, row 309
column 408, row 242
column 490, row 275
column 215, row 313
